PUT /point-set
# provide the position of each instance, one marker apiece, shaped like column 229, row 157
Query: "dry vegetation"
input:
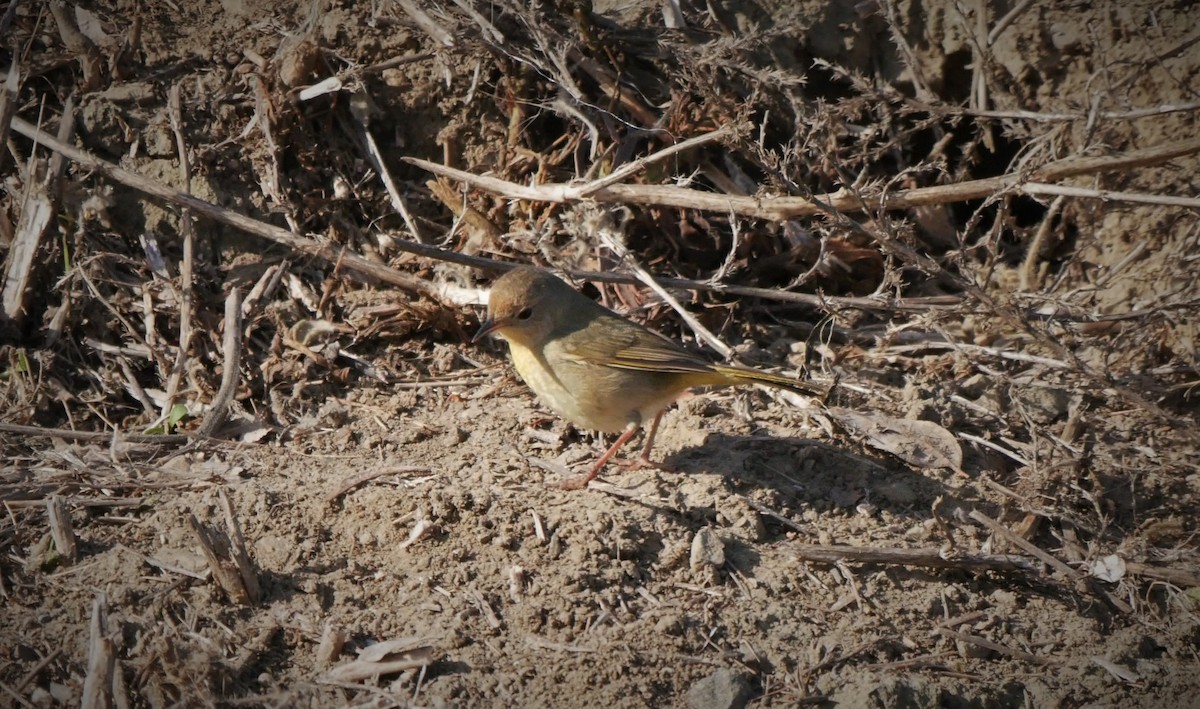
column 250, row 457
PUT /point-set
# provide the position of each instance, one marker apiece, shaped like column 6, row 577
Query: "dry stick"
column 920, row 85
column 493, row 34
column 613, row 88
column 109, row 502
column 97, row 686
column 135, row 389
column 1179, row 577
column 39, row 205
column 1007, row 20
column 241, row 556
column 644, row 276
column 912, row 662
column 59, row 517
column 216, row 549
column 41, row 665
column 69, row 435
column 980, row 59
column 187, row 227
column 333, row 639
column 1054, row 562
column 170, row 568
column 426, row 23
column 358, row 670
column 358, row 103
column 1037, row 117
column 454, row 200
column 1002, row 531
column 355, row 480
column 783, row 208
column 994, row 646
column 8, row 99
column 835, row 553
column 9, row 13
column 763, row 509
column 1033, row 256
column 636, row 166
column 226, row 553
column 394, row 62
column 354, row 262
column 920, row 304
column 78, row 43
column 1036, row 188
column 8, row 690
column 329, row 252
column 269, row 177
column 232, row 355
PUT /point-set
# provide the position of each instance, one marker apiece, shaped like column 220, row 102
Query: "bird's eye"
column 525, row 314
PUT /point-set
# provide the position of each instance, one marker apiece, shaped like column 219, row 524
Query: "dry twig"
column 330, row 252
column 59, row 517
column 844, row 201
column 834, row 553
column 232, row 568
column 218, row 413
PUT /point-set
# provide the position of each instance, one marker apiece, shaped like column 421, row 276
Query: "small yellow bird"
column 595, row 368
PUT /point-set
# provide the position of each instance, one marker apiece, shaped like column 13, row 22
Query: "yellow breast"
column 593, row 396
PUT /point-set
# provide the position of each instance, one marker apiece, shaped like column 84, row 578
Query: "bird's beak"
column 488, row 327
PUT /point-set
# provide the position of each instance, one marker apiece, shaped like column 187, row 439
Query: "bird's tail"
column 745, row 375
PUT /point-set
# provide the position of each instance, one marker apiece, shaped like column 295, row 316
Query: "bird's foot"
column 575, row 482
column 637, row 463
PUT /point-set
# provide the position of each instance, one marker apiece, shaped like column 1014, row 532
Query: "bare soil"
column 389, row 477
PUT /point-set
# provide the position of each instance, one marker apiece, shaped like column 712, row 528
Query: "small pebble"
column 707, row 550
column 723, row 689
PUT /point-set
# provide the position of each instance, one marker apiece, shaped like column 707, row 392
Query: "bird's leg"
column 578, row 482
column 643, row 460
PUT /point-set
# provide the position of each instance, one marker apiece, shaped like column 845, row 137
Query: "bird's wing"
column 627, row 345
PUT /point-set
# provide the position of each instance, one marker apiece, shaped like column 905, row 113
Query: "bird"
column 597, row 369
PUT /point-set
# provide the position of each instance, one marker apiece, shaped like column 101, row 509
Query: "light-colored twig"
column 493, row 34
column 41, row 665
column 170, row 568
column 85, row 51
column 328, row 251
column 980, row 440
column 97, row 685
column 609, row 239
column 1184, row 578
column 1039, row 188
column 1029, row 547
column 636, row 166
column 355, row 480
column 39, row 205
column 442, row 293
column 241, row 556
column 1009, row 17
column 188, row 230
column 1033, row 256
column 1039, row 117
column 218, row 413
column 426, row 23
column 358, row 104
column 784, row 208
